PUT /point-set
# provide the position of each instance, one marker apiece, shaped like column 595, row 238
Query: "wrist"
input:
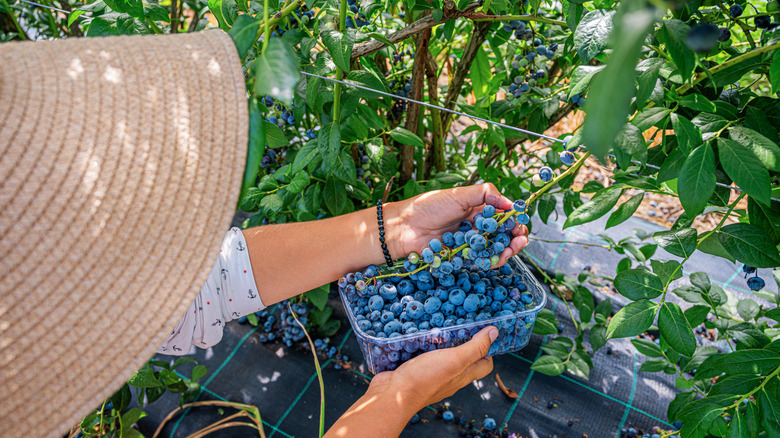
column 394, row 395
column 394, row 224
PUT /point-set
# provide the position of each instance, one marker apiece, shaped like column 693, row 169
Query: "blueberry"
column 725, row 34
column 434, row 245
column 488, row 211
column 736, row 10
column 523, row 219
column 432, row 305
column 748, row 269
column 448, row 239
column 415, row 419
column 415, row 309
column 457, row 296
column 524, row 87
column 489, row 423
column 376, row 303
column 448, row 416
column 546, row 174
column 703, row 37
column 519, row 206
column 756, row 283
column 489, row 225
column 567, row 158
column 427, row 255
column 413, row 258
column 471, row 303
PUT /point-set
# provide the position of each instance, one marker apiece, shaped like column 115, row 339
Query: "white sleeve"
column 229, row 293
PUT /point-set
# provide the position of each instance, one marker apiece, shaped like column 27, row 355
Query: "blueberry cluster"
column 399, row 88
column 362, row 169
column 271, row 160
column 754, row 283
column 398, row 57
column 279, row 114
column 444, row 295
column 286, row 331
column 577, row 100
column 518, row 28
column 360, row 19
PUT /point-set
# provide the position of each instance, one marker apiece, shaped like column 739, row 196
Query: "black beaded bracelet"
column 381, row 221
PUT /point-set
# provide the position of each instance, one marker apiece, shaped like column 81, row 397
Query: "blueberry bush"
column 679, row 98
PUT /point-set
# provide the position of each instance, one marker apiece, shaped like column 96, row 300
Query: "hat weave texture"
column 121, row 161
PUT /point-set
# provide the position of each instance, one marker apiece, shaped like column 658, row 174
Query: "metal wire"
column 524, row 131
column 45, row 6
column 511, row 128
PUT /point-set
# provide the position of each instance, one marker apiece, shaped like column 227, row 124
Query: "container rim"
column 373, row 339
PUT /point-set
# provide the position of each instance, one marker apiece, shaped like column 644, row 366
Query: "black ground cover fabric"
column 282, row 382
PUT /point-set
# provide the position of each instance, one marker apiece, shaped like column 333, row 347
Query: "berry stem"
column 266, row 25
column 316, row 365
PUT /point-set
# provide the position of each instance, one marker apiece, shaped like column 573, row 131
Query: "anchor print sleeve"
column 229, row 293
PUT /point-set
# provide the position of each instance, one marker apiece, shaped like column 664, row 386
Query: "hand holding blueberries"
column 428, row 216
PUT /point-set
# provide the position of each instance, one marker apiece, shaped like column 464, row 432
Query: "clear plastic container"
column 514, row 331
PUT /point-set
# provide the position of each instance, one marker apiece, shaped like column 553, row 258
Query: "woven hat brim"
column 121, row 161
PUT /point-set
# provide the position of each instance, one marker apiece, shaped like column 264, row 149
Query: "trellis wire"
column 45, row 6
column 511, row 128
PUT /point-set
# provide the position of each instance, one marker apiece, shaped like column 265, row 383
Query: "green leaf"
column 770, row 412
column 747, row 362
column 304, row 156
column 697, row 419
column 763, row 148
column 320, row 317
column 329, row 143
column 134, row 8
column 630, row 141
column 256, row 147
column 366, row 79
column 131, row 417
column 335, row 196
column 405, row 136
column 344, row 168
column 654, row 365
column 774, row 71
column 581, row 77
column 182, row 361
column 696, row 182
column 583, row 301
column 646, row 84
column 666, row 271
column 675, row 329
column 339, row 45
column 611, row 92
column 272, row 202
column 277, row 71
column 550, row 365
column 144, row 378
column 750, row 245
column 603, row 310
column 711, row 245
column 598, row 337
column 697, row 102
column 319, row 296
column 243, row 32
column 745, row 169
column 215, row 6
column 696, row 315
column 637, row 284
column 631, row 320
column 672, row 165
column 737, row 426
column 592, row 33
column 74, row 15
column 198, row 372
column 688, row 136
column 675, row 32
column 748, row 309
column 545, row 323
column 648, row 348
column 480, row 73
column 680, row 242
column 650, row 117
column 598, row 206
column 379, row 37
column 299, row 183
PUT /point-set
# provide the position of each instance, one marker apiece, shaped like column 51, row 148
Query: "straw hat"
column 120, row 168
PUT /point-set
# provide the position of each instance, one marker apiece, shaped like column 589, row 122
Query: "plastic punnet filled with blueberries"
column 443, row 296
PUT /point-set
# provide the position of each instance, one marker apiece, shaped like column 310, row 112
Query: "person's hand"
column 412, row 223
column 436, row 375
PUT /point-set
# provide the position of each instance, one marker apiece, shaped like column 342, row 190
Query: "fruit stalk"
column 480, row 17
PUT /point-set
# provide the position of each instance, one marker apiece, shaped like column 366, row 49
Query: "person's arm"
column 290, row 259
column 393, row 397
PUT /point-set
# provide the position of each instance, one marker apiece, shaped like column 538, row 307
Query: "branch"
column 435, row 156
column 418, row 26
column 479, row 16
column 413, row 109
